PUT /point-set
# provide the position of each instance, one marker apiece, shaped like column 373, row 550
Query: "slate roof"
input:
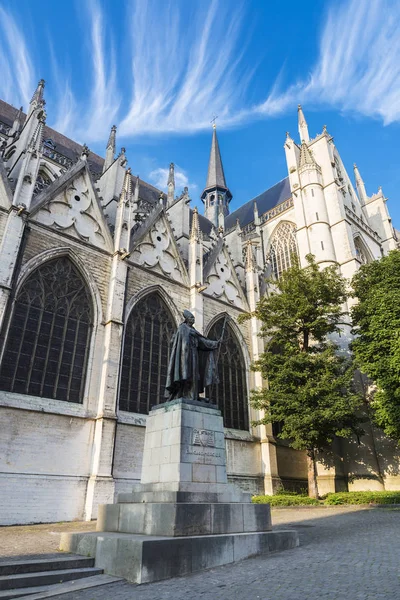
column 269, row 199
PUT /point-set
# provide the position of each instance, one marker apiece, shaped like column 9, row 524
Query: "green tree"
column 376, row 320
column 309, row 383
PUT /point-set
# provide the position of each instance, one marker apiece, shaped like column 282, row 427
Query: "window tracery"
column 283, row 247
column 361, row 252
column 230, row 394
column 42, row 181
column 148, row 335
column 47, row 345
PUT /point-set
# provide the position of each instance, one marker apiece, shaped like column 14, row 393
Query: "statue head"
column 188, row 316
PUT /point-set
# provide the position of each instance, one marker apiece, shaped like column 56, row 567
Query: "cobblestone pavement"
column 346, row 553
column 37, row 539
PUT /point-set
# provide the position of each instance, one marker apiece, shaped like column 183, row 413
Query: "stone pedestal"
column 183, row 516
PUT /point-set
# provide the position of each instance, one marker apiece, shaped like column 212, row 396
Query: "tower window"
column 283, row 247
column 312, row 193
column 316, row 216
column 322, row 245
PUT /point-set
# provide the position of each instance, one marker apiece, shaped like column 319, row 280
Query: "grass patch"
column 333, row 499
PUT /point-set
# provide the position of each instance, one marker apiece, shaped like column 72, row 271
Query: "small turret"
column 124, row 215
column 303, row 128
column 37, row 98
column 110, row 150
column 171, row 184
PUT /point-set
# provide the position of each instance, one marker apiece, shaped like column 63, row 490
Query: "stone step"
column 24, row 580
column 58, row 589
column 14, row 566
column 143, row 559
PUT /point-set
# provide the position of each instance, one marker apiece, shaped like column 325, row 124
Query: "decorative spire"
column 195, row 231
column 249, row 264
column 85, row 152
column 216, row 193
column 38, row 94
column 362, row 193
column 306, row 157
column 35, row 144
column 110, row 151
column 124, row 216
column 126, row 194
column 136, row 195
column 303, row 129
column 171, row 183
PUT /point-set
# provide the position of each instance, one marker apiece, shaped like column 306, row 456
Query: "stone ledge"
column 143, row 559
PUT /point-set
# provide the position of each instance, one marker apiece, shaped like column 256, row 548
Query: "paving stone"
column 348, row 553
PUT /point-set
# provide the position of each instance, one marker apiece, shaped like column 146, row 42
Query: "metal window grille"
column 283, row 246
column 148, row 335
column 48, row 341
column 230, row 394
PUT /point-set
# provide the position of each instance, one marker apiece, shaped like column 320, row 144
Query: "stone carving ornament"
column 220, row 281
column 156, row 251
column 73, row 210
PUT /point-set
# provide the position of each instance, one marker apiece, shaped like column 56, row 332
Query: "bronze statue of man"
column 192, row 365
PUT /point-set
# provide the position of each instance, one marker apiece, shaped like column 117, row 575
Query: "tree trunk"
column 312, row 475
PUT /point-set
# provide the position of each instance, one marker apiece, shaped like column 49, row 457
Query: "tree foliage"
column 376, row 320
column 309, row 382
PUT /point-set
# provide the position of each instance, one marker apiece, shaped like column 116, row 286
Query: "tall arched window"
column 43, row 180
column 361, row 251
column 148, row 334
column 48, row 340
column 283, row 246
column 230, row 394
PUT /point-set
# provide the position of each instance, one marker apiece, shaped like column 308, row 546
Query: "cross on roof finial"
column 215, row 117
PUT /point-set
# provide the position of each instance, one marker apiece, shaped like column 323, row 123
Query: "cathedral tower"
column 216, row 195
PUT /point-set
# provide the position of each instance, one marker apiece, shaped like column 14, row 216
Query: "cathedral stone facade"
column 96, row 267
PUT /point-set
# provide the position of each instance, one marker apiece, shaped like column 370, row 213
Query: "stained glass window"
column 361, row 252
column 48, row 341
column 148, row 335
column 42, row 181
column 283, row 246
column 230, row 394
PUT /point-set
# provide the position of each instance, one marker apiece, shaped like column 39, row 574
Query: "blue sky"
column 160, row 70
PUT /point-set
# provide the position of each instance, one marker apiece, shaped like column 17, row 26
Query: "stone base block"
column 185, row 492
column 143, row 559
column 178, row 519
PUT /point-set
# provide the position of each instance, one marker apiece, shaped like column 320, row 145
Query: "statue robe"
column 192, row 365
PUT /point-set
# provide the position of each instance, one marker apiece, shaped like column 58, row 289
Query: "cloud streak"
column 159, row 177
column 168, row 78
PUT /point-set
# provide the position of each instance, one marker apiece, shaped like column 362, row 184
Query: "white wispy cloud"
column 16, row 69
column 168, row 77
column 159, row 178
column 358, row 67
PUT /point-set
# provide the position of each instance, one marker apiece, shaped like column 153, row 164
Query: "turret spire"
column 37, row 97
column 195, row 231
column 171, row 184
column 36, row 141
column 306, row 157
column 216, row 194
column 110, row 151
column 362, row 193
column 303, row 128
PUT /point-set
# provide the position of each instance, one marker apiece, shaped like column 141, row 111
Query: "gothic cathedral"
column 96, row 267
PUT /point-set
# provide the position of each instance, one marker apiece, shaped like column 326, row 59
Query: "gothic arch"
column 363, row 253
column 282, row 244
column 149, row 327
column 231, row 393
column 50, row 332
column 35, row 262
column 151, row 290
